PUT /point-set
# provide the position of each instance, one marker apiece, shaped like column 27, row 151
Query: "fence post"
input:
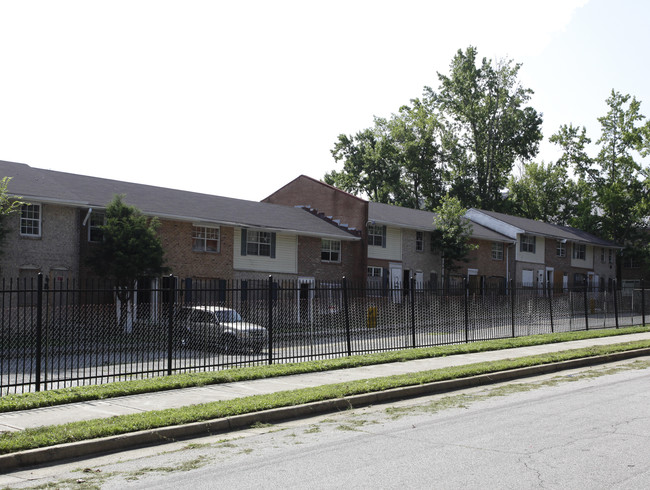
column 270, row 324
column 642, row 302
column 39, row 328
column 586, row 305
column 413, row 311
column 466, row 295
column 615, row 304
column 550, row 303
column 170, row 323
column 512, row 305
column 347, row 316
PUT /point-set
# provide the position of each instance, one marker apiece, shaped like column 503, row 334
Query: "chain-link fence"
column 67, row 335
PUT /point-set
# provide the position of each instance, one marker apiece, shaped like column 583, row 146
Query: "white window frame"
column 560, row 249
column 579, row 251
column 31, row 220
column 376, row 235
column 528, row 243
column 258, row 243
column 419, row 241
column 497, row 251
column 330, row 251
column 374, row 271
column 203, row 236
column 96, row 220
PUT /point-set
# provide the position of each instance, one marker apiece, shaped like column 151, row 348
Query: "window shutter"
column 188, row 289
column 385, row 279
column 383, row 236
column 222, row 289
column 244, row 290
column 243, row 241
column 272, row 245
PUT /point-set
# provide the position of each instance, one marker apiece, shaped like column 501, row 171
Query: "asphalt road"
column 581, row 429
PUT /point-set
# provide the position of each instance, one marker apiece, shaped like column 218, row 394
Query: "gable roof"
column 417, row 219
column 516, row 225
column 48, row 186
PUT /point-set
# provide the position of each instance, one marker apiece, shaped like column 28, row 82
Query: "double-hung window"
column 497, row 251
column 95, row 232
column 560, row 248
column 258, row 243
column 30, row 220
column 579, row 251
column 376, row 235
column 205, row 239
column 527, row 244
column 330, row 250
column 419, row 241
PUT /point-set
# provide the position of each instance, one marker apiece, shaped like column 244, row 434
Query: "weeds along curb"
column 84, row 449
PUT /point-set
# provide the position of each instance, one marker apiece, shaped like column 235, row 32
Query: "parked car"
column 220, row 328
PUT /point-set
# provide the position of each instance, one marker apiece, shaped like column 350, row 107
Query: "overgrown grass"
column 90, row 429
column 62, row 396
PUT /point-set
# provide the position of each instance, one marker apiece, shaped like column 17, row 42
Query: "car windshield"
column 227, row 316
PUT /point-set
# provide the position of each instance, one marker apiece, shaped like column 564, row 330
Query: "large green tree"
column 484, row 105
column 130, row 250
column 452, row 233
column 616, row 182
column 369, row 164
column 543, row 192
column 415, row 133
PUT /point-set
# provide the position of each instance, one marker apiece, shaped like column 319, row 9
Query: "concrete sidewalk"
column 14, row 421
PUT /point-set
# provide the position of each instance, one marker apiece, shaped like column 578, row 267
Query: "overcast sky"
column 239, row 98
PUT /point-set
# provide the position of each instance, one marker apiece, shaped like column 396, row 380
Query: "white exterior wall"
column 393, row 250
column 286, row 256
column 537, row 257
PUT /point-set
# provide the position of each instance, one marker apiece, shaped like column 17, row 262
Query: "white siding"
column 393, row 250
column 286, row 256
column 537, row 257
column 588, row 263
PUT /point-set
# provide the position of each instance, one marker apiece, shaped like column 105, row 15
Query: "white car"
column 222, row 328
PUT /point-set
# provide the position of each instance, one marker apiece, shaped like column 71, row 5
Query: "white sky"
column 239, row 98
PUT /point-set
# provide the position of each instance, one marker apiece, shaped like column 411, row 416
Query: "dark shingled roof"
column 387, row 214
column 41, row 185
column 560, row 232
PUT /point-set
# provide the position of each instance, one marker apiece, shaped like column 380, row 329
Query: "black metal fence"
column 54, row 336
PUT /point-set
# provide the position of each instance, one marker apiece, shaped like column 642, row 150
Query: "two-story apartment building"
column 545, row 253
column 205, row 237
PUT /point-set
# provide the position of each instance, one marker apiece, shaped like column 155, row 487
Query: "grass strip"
column 91, row 429
column 26, row 401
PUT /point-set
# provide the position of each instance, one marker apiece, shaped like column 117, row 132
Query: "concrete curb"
column 81, row 449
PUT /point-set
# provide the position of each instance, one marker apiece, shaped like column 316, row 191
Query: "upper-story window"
column 580, row 251
column 95, row 232
column 30, row 220
column 560, row 248
column 497, row 251
column 527, row 244
column 602, row 255
column 611, row 256
column 205, row 239
column 376, row 235
column 419, row 241
column 258, row 243
column 330, row 250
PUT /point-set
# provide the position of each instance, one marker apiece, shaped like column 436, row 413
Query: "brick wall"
column 55, row 253
column 424, row 261
column 311, row 265
column 348, row 209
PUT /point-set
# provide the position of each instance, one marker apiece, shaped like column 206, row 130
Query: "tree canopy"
column 130, row 249
column 462, row 140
